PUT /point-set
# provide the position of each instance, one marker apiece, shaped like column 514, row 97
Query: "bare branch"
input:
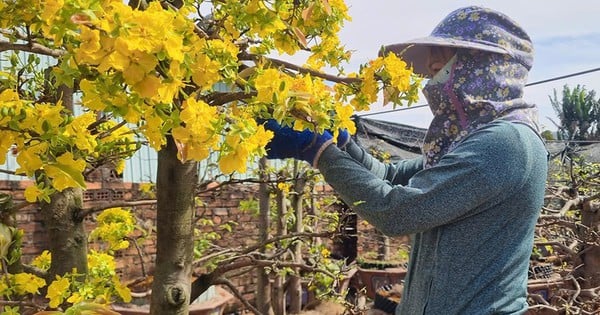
column 36, row 271
column 113, row 204
column 291, row 66
column 561, row 246
column 237, row 294
column 32, row 48
column 537, row 298
column 220, row 98
column 248, row 250
column 543, row 306
column 593, row 197
column 570, row 204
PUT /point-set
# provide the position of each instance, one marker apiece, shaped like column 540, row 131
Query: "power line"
column 564, row 77
column 527, row 85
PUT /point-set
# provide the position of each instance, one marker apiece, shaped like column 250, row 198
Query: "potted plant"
column 375, row 274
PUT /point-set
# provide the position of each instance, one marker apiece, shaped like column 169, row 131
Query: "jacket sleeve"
column 477, row 172
column 396, row 174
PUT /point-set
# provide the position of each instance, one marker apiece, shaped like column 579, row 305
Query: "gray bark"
column 66, row 233
column 175, row 185
column 295, row 287
column 263, row 287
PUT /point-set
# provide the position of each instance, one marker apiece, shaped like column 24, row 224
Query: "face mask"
column 444, row 73
column 433, row 90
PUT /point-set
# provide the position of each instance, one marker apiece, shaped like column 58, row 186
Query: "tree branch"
column 237, row 294
column 32, row 48
column 561, row 246
column 291, row 66
column 113, row 204
column 36, row 271
column 220, row 98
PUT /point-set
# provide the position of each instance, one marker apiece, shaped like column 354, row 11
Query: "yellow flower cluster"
column 244, row 140
column 114, row 225
column 102, row 285
column 304, row 101
column 391, row 75
column 142, row 66
column 197, row 134
column 20, row 284
column 27, row 127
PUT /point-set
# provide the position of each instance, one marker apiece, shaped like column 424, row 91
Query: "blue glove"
column 302, row 145
column 343, row 138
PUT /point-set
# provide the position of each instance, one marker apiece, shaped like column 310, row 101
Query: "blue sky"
column 566, row 37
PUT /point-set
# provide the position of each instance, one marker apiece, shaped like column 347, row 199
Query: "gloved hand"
column 343, row 138
column 302, row 145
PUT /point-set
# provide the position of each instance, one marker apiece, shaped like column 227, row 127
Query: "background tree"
column 567, row 241
column 578, row 111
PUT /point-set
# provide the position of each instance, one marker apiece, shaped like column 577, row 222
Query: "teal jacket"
column 471, row 216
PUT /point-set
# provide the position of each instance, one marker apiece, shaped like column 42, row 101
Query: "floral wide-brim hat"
column 469, row 28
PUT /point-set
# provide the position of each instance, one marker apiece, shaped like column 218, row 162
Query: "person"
column 471, row 202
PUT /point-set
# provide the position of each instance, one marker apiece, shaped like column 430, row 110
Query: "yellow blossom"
column 235, row 160
column 43, row 260
column 148, row 86
column 90, row 49
column 91, row 97
column 29, row 158
column 78, row 130
column 50, row 10
column 66, row 172
column 28, row 283
column 152, row 130
column 272, row 86
column 33, row 193
column 75, row 298
column 205, row 72
column 147, row 189
column 122, row 290
column 58, row 290
column 198, row 136
column 344, row 115
column 284, row 187
column 6, row 142
column 42, row 117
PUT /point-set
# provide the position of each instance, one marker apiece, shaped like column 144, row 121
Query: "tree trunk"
column 295, row 288
column 66, row 234
column 383, row 250
column 590, row 217
column 279, row 301
column 175, row 186
column 263, row 288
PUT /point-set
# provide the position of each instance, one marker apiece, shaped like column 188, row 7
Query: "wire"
column 528, row 84
column 393, row 110
column 563, row 77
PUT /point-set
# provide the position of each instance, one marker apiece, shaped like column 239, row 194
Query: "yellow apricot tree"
column 191, row 77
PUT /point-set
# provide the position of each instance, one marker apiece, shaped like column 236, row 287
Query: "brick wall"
column 220, row 206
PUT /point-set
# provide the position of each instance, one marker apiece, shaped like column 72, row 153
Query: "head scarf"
column 482, row 83
column 478, row 88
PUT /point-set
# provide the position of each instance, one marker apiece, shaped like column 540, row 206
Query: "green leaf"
column 69, row 176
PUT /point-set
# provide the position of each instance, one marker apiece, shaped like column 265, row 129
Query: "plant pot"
column 372, row 279
column 211, row 306
column 387, row 298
